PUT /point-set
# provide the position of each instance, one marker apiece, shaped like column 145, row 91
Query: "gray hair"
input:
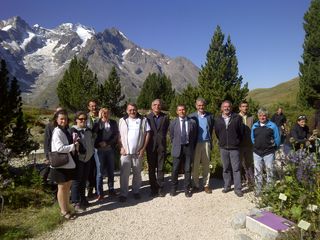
column 200, row 99
column 263, row 111
column 158, row 99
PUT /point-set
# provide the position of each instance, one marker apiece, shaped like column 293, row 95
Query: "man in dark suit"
column 156, row 148
column 229, row 131
column 183, row 135
column 205, row 121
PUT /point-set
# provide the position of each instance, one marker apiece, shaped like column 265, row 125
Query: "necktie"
column 183, row 132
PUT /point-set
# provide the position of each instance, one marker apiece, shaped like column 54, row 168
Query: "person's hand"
column 141, row 152
column 123, row 151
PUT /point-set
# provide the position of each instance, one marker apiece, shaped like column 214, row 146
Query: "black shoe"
column 85, row 203
column 173, row 192
column 239, row 193
column 122, row 199
column 153, row 194
column 161, row 193
column 188, row 193
column 136, row 196
column 112, row 193
column 225, row 190
column 195, row 189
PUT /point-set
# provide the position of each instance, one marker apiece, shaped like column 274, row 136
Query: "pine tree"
column 156, row 86
column 218, row 78
column 110, row 94
column 187, row 97
column 309, row 83
column 78, row 85
column 14, row 133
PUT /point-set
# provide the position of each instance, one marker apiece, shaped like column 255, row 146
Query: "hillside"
column 283, row 93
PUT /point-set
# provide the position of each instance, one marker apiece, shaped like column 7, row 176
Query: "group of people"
column 93, row 140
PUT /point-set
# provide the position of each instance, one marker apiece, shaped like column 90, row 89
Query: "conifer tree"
column 218, row 78
column 187, row 97
column 156, row 86
column 78, row 85
column 309, row 83
column 14, row 133
column 110, row 94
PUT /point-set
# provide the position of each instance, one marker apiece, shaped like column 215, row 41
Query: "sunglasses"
column 302, row 117
column 82, row 119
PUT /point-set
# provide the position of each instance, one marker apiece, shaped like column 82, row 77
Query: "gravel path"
column 203, row 216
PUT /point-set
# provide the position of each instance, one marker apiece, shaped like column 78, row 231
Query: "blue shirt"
column 203, row 135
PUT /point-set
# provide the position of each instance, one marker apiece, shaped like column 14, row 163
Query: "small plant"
column 299, row 180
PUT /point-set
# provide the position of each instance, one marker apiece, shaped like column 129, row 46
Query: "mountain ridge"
column 38, row 57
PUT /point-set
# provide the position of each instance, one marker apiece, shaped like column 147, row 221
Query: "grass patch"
column 28, row 222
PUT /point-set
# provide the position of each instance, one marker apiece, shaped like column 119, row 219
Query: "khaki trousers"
column 202, row 155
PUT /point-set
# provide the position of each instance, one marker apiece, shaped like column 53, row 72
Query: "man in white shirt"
column 134, row 136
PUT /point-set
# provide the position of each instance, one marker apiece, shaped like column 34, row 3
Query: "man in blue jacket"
column 266, row 139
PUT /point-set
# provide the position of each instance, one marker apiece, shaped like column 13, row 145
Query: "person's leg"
column 196, row 164
column 82, row 188
column 152, row 158
column 136, row 171
column 258, row 165
column 92, row 176
column 125, row 167
column 187, row 169
column 235, row 163
column 75, row 188
column 160, row 174
column 248, row 161
column 99, row 176
column 226, row 164
column 269, row 161
column 206, row 156
column 109, row 162
column 63, row 196
column 175, row 172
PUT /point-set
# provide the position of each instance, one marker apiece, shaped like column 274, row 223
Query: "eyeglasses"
column 82, row 119
column 302, row 117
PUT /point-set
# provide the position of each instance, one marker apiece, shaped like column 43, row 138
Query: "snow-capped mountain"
column 38, row 57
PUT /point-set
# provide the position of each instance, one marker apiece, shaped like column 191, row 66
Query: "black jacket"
column 114, row 137
column 231, row 135
column 158, row 134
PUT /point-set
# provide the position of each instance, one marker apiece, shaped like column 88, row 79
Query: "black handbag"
column 58, row 159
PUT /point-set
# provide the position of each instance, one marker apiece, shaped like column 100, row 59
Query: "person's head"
column 226, row 107
column 80, row 119
column 156, row 106
column 302, row 120
column 244, row 107
column 104, row 113
column 279, row 110
column 181, row 110
column 60, row 118
column 201, row 105
column 263, row 115
column 132, row 110
column 58, row 109
column 92, row 107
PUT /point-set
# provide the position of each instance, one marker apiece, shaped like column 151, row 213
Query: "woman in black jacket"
column 300, row 133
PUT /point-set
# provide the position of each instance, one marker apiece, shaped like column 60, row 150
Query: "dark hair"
column 182, row 105
column 78, row 114
column 92, row 100
column 243, row 102
column 56, row 115
column 133, row 105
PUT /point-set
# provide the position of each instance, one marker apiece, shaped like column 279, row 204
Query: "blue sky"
column 268, row 35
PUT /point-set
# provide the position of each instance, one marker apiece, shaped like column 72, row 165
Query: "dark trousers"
column 156, row 161
column 105, row 167
column 246, row 158
column 231, row 165
column 186, row 158
column 78, row 187
column 92, row 174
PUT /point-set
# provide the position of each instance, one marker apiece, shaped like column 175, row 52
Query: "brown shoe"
column 208, row 190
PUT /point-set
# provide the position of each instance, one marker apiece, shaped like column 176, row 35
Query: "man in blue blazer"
column 183, row 135
column 205, row 121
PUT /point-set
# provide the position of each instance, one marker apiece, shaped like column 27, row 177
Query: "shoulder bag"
column 58, row 159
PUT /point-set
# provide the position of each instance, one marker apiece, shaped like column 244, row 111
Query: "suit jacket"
column 175, row 136
column 210, row 120
column 158, row 134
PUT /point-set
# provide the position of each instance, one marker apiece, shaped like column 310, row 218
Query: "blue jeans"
column 105, row 167
column 258, row 169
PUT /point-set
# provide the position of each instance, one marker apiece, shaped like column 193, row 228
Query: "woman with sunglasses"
column 83, row 135
column 62, row 142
